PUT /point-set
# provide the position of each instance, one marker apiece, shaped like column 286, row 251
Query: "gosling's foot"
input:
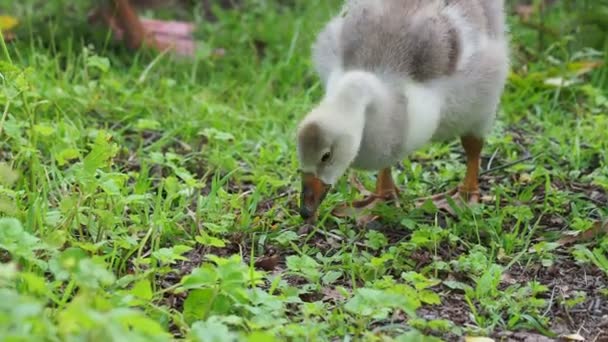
column 160, row 35
column 175, row 36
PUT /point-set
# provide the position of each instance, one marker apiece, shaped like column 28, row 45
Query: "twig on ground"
column 550, row 302
column 488, row 167
column 508, row 165
column 339, row 238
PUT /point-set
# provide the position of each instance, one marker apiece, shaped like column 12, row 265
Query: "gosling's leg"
column 468, row 191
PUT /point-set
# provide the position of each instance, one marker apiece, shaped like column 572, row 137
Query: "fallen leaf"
column 506, row 278
column 356, row 183
column 310, row 297
column 306, row 229
column 572, row 337
column 523, row 337
column 478, row 339
column 332, row 295
column 559, row 82
column 267, row 263
column 599, row 228
column 488, row 198
column 525, row 178
column 583, row 67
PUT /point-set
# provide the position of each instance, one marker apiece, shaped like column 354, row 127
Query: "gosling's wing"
column 327, row 50
column 421, row 39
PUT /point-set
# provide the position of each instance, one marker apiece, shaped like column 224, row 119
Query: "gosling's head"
column 328, row 142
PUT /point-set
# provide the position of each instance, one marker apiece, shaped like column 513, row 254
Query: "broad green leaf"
column 68, row 259
column 65, row 155
column 172, row 254
column 375, row 239
column 455, row 285
column 416, row 336
column 260, row 336
column 35, row 284
column 214, row 134
column 100, row 155
column 205, row 302
column 142, row 289
column 488, row 283
column 377, row 304
column 204, row 276
column 331, row 276
column 101, row 63
column 287, row 236
column 197, row 304
column 92, row 274
column 429, row 297
column 44, row 130
column 419, row 281
column 7, row 206
column 208, row 240
column 18, row 242
column 211, row 331
column 137, row 321
column 7, row 175
column 305, row 265
column 147, row 124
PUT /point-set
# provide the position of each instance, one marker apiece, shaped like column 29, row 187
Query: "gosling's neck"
column 349, row 96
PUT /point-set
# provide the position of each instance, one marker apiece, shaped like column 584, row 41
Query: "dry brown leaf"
column 572, row 337
column 331, row 294
column 306, row 229
column 506, row 278
column 583, row 67
column 525, row 178
column 267, row 263
column 356, row 183
column 599, row 228
column 524, row 336
column 488, row 198
column 478, row 339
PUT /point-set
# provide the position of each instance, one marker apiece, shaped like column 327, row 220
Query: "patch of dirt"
column 453, row 307
column 587, row 315
column 569, row 281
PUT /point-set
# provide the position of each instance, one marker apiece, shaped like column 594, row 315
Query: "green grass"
column 146, row 197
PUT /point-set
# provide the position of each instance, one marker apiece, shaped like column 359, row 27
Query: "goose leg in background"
column 468, row 191
column 160, row 35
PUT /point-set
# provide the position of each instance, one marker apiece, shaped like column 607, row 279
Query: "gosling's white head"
column 330, row 135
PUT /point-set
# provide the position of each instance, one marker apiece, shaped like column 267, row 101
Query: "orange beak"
column 313, row 193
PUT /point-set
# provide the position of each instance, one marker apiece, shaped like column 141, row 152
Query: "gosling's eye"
column 325, row 157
